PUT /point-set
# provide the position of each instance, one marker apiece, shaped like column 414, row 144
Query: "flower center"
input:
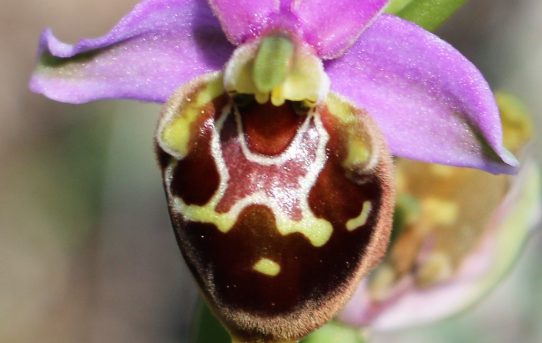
column 278, row 69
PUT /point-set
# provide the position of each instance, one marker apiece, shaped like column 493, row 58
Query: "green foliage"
column 67, row 172
column 429, row 14
column 206, row 328
column 395, row 6
column 406, row 207
column 334, row 332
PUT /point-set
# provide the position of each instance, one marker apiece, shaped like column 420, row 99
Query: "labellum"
column 281, row 201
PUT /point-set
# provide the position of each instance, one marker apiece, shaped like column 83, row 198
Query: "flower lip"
column 293, row 208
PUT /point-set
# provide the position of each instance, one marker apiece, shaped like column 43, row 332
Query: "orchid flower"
column 275, row 139
column 457, row 233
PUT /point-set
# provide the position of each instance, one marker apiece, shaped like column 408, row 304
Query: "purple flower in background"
column 448, row 258
column 457, row 233
column 275, row 142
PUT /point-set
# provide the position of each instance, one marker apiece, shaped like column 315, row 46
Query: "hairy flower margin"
column 292, row 57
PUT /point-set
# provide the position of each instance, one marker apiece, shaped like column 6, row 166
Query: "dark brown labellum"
column 279, row 211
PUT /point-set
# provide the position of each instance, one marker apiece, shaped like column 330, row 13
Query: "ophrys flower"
column 278, row 179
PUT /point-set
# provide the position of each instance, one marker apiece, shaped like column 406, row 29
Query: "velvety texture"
column 276, row 204
column 158, row 46
column 331, row 27
column 431, row 102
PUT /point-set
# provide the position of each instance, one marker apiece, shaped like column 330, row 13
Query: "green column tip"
column 272, row 62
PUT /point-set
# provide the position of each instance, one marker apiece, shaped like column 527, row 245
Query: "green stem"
column 206, row 328
column 334, row 332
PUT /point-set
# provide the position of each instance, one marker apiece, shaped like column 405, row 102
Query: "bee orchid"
column 276, row 137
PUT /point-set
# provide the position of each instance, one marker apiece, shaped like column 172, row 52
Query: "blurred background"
column 87, row 253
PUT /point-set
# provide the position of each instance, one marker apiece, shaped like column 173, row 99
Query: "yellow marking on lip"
column 267, row 267
column 361, row 153
column 175, row 135
column 360, row 220
column 318, row 231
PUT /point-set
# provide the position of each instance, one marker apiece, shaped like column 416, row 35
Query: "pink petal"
column 331, row 27
column 245, row 19
column 158, row 46
column 432, row 104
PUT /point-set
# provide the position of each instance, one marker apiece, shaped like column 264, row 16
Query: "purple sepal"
column 158, row 46
column 331, row 27
column 432, row 104
column 244, row 20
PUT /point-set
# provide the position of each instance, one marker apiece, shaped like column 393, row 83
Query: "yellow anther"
column 174, row 133
column 261, row 98
column 361, row 155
